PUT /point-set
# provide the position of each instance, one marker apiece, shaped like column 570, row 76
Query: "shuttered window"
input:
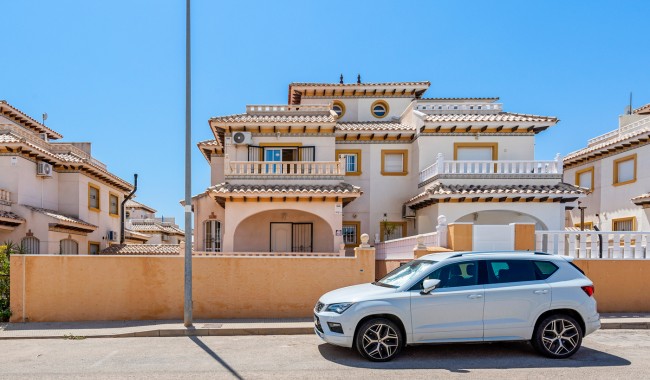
column 31, row 245
column 212, row 240
column 623, row 224
column 68, row 247
column 625, row 170
column 394, row 162
column 585, row 178
column 474, row 154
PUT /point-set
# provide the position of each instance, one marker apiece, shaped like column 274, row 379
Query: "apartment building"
column 141, row 219
column 55, row 197
column 341, row 159
column 611, row 169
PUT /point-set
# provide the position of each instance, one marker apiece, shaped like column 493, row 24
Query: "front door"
column 281, row 237
column 454, row 311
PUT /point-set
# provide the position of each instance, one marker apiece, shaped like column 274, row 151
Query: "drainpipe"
column 135, row 187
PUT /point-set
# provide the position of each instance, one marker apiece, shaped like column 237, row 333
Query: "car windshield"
column 406, row 272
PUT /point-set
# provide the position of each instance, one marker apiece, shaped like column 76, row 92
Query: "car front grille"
column 319, row 306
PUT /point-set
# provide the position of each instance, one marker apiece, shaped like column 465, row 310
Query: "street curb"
column 625, row 325
column 182, row 332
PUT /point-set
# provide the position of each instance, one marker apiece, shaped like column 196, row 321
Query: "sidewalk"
column 170, row 328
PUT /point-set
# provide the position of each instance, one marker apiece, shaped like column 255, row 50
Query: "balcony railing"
column 285, row 168
column 5, row 196
column 496, row 168
column 637, row 125
column 595, row 244
column 402, row 249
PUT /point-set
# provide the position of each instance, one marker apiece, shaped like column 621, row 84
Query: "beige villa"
column 55, row 197
column 343, row 159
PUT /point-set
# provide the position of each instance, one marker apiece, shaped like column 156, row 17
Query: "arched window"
column 31, row 245
column 212, row 236
column 68, row 247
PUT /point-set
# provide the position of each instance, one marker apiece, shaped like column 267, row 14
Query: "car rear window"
column 545, row 269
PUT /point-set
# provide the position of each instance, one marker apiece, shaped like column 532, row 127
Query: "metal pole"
column 187, row 312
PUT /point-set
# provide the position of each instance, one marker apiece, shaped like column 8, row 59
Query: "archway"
column 501, row 217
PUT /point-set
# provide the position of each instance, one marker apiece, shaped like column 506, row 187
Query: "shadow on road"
column 461, row 358
column 216, row 357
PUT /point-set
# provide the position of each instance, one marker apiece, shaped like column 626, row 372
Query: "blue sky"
column 113, row 72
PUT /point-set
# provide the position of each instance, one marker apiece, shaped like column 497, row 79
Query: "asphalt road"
column 607, row 354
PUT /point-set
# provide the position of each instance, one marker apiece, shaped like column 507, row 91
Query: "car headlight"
column 338, row 308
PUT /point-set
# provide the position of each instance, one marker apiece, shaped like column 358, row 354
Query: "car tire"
column 557, row 336
column 379, row 340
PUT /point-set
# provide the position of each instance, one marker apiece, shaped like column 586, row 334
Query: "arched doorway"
column 501, row 217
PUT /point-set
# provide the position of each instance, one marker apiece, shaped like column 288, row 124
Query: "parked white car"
column 464, row 297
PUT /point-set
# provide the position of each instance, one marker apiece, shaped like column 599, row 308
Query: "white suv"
column 464, row 297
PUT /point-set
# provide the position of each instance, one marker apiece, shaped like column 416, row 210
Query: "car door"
column 454, row 310
column 514, row 298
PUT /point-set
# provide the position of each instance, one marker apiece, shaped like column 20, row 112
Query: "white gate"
column 493, row 237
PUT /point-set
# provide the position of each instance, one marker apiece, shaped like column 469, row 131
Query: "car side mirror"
column 429, row 284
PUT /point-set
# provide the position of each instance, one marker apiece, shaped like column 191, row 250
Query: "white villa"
column 611, row 167
column 55, row 198
column 142, row 223
column 379, row 158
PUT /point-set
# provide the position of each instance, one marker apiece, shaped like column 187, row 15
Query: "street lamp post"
column 187, row 309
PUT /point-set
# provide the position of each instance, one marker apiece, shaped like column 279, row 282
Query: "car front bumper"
column 321, row 328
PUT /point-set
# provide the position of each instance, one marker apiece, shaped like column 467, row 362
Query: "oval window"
column 339, row 108
column 379, row 109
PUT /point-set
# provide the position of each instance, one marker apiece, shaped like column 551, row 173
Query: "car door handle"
column 541, row 291
column 474, row 296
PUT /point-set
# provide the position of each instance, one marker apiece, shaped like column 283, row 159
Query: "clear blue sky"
column 112, row 72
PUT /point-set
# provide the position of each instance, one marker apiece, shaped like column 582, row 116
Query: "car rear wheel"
column 557, row 336
column 379, row 340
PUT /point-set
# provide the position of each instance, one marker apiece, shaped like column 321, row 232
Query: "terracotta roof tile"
column 373, row 126
column 209, row 143
column 312, row 84
column 496, row 117
column 10, row 215
column 37, row 125
column 8, row 138
column 59, row 216
column 557, row 189
column 142, row 249
column 133, row 204
column 633, row 136
column 642, row 110
column 247, row 118
column 151, row 225
column 641, row 199
column 342, row 188
column 452, row 99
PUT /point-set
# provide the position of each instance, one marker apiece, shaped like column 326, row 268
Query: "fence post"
column 441, row 228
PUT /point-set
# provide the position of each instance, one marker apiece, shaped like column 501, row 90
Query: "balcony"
column 284, row 169
column 629, row 128
column 491, row 169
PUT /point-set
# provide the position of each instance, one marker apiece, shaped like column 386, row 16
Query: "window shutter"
column 394, row 163
column 625, row 171
column 585, row 180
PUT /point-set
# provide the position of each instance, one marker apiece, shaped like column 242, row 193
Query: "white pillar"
column 441, row 228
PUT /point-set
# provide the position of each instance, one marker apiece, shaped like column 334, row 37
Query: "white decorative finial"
column 420, row 240
column 364, row 241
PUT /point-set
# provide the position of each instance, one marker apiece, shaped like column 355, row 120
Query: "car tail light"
column 589, row 290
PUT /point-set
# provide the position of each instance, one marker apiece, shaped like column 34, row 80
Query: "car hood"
column 355, row 293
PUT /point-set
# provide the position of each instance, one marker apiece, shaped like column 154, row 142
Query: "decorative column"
column 441, row 228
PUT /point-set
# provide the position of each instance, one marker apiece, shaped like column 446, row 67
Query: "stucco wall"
column 136, row 287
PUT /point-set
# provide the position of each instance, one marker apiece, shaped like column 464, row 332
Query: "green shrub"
column 5, row 251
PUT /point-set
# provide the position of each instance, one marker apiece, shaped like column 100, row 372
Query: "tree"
column 6, row 250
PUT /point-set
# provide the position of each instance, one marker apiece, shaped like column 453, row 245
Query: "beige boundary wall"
column 87, row 288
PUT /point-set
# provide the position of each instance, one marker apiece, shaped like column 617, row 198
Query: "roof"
column 10, row 217
column 133, row 204
column 135, row 235
column 248, row 118
column 334, row 90
column 339, row 189
column 489, row 100
column 489, row 117
column 609, row 145
column 8, row 138
column 642, row 110
column 377, row 84
column 643, row 199
column 559, row 188
column 152, row 225
column 142, row 249
column 373, row 126
column 27, row 121
column 59, row 216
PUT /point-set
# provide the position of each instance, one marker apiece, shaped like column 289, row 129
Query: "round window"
column 339, row 108
column 379, row 109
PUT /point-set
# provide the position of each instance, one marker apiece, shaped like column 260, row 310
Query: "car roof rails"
column 460, row 254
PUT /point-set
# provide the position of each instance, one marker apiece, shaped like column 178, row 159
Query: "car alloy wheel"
column 558, row 336
column 379, row 340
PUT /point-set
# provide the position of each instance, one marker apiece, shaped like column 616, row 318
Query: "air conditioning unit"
column 112, row 236
column 43, row 169
column 43, row 136
column 407, row 212
column 164, row 238
column 242, row 138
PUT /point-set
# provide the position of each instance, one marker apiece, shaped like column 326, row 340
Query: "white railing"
column 5, row 196
column 267, row 254
column 594, row 244
column 501, row 167
column 402, row 249
column 275, row 108
column 619, row 132
column 425, row 105
column 285, row 168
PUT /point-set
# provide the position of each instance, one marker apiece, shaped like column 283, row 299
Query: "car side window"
column 502, row 271
column 455, row 275
column 545, row 269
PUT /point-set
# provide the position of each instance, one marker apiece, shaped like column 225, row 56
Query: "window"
column 93, row 248
column 545, row 269
column 68, row 247
column 585, row 178
column 625, row 170
column 588, row 225
column 624, row 224
column 476, row 151
column 351, row 233
column 339, row 108
column 352, row 161
column 405, row 273
column 500, row 271
column 456, row 275
column 93, row 197
column 379, row 109
column 394, row 162
column 392, row 230
column 212, row 236
column 113, row 204
column 31, row 245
